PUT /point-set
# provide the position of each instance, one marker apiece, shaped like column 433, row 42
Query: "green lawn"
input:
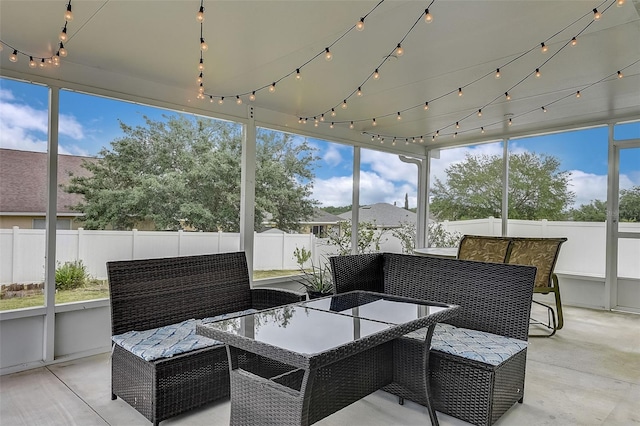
column 99, row 290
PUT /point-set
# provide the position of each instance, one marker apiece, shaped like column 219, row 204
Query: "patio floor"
column 588, row 374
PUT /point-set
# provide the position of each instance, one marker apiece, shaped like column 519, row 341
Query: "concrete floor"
column 588, row 374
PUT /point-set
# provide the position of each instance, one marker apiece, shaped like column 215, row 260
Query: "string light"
column 459, row 91
column 574, row 41
column 298, row 75
column 510, row 122
column 596, row 15
column 322, row 117
column 344, row 104
column 200, row 14
column 498, row 73
column 42, row 63
column 360, row 25
column 221, row 100
column 359, row 92
column 426, row 106
column 538, row 74
column 252, row 96
column 619, row 3
column 32, row 63
column 373, row 123
column 328, row 55
column 376, row 74
column 199, row 79
column 427, row 16
column 68, row 14
column 333, row 112
column 399, row 50
column 620, row 75
column 210, row 98
column 399, row 117
column 457, row 125
column 578, row 94
column 63, row 33
column 14, row 56
column 480, row 113
column 331, row 125
column 507, row 96
column 272, row 88
column 482, row 130
column 200, row 65
column 203, row 45
column 544, row 109
column 543, row 47
column 351, row 125
column 238, row 100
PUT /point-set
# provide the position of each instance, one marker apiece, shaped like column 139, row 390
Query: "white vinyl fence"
column 22, row 250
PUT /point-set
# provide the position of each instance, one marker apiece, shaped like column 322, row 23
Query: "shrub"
column 71, row 275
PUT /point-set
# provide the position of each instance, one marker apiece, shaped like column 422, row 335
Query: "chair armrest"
column 264, row 298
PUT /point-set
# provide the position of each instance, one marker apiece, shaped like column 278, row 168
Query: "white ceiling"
column 147, row 51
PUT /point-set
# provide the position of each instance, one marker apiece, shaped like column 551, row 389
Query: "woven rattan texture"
column 156, row 292
column 495, row 298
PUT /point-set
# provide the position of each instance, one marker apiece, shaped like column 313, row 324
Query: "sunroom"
column 388, row 97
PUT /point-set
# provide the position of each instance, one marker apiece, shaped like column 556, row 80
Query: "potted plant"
column 316, row 280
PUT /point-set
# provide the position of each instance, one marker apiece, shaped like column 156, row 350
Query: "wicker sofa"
column 466, row 381
column 151, row 296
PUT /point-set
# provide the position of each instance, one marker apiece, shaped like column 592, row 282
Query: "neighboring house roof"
column 23, row 181
column 322, row 217
column 383, row 214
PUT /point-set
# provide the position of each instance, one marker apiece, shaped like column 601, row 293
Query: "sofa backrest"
column 539, row 252
column 152, row 293
column 494, row 297
column 357, row 272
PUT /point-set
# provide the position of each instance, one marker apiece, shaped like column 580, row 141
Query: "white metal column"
column 355, row 200
column 505, row 187
column 421, row 220
column 50, row 227
column 613, row 191
column 248, row 189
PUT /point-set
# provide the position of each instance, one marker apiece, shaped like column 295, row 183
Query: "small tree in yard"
column 438, row 236
column 369, row 238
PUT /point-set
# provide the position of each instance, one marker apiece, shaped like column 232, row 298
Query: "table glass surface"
column 300, row 329
column 320, row 325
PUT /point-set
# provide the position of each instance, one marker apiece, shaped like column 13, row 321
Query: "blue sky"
column 88, row 123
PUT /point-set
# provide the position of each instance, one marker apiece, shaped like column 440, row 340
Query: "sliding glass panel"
column 23, row 193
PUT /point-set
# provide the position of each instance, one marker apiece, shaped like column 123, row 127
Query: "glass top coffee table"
column 299, row 363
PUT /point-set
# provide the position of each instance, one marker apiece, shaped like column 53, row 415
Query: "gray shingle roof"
column 385, row 215
column 23, row 181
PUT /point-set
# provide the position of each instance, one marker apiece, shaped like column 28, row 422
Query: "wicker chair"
column 151, row 293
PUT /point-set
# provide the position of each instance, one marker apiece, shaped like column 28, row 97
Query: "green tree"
column 337, row 210
column 595, row 211
column 473, row 188
column 183, row 173
column 369, row 238
column 630, row 204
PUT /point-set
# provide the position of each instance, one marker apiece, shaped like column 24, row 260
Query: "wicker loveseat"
column 477, row 360
column 152, row 301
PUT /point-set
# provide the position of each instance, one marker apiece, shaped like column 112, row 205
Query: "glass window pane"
column 23, row 192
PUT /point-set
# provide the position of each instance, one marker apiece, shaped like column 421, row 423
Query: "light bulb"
column 437, row 133
column 201, row 65
column 507, row 96
column 200, row 15
column 331, row 125
column 498, row 73
column 203, row 45
column 538, row 73
column 373, row 122
column 359, row 92
column 252, row 96
column 14, row 56
column 199, row 79
column 482, row 130
column 344, row 104
column 399, row 50
column 322, row 117
column 578, row 94
column 399, row 117
column 328, row 55
column 63, row 34
column 298, row 75
column 360, row 25
column 56, row 60
column 574, row 41
column 62, row 50
column 32, row 63
column 544, row 109
column 596, row 15
column 457, row 125
column 68, row 14
column 510, row 122
column 315, row 123
column 200, row 96
column 620, row 75
column 238, row 100
column 543, row 47
column 479, row 113
column 459, row 91
column 426, row 106
column 421, row 139
column 272, row 88
column 333, row 112
column 210, row 98
column 221, row 100
column 413, row 140
column 433, row 138
column 373, row 137
column 455, row 135
column 619, row 3
column 201, row 88
column 42, row 63
column 427, row 16
column 300, row 120
column 376, row 74
column 351, row 125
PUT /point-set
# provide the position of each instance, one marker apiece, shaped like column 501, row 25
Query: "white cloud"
column 587, row 187
column 332, row 156
column 23, row 127
column 389, row 166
